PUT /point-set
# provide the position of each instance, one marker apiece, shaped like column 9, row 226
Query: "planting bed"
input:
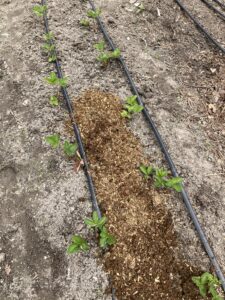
column 44, row 201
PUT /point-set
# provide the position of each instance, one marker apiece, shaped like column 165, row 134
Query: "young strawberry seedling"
column 94, row 13
column 49, row 37
column 39, row 10
column 70, row 149
column 106, row 239
column 78, row 244
column 160, row 177
column 131, row 107
column 208, row 284
column 53, row 140
column 95, row 222
column 54, row 101
column 105, row 57
column 54, row 80
column 84, row 22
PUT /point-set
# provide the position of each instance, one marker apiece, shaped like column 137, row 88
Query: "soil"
column 181, row 78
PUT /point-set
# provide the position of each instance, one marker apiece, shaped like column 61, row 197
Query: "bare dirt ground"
column 181, row 78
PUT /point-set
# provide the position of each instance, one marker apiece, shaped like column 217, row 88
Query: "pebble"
column 2, row 257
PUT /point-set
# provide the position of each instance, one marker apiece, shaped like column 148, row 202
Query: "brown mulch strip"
column 143, row 264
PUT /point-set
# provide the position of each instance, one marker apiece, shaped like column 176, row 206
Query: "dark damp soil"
column 144, row 263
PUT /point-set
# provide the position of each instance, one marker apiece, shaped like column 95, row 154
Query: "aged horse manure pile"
column 143, row 263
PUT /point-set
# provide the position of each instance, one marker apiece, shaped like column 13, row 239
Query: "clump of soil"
column 144, row 263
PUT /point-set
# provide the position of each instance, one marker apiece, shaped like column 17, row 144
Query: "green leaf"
column 48, row 47
column 95, row 216
column 147, row 171
column 72, row 249
column 77, row 244
column 132, row 106
column 94, row 13
column 39, row 10
column 53, row 140
column 52, row 78
column 104, row 58
column 106, row 239
column 159, row 182
column 125, row 114
column 131, row 100
column 144, row 170
column 84, row 23
column 54, row 101
column 150, row 170
column 116, row 53
column 207, row 283
column 100, row 46
column 70, row 148
column 175, row 183
column 49, row 37
column 63, row 82
column 161, row 173
column 52, row 58
column 95, row 222
column 200, row 285
column 137, row 108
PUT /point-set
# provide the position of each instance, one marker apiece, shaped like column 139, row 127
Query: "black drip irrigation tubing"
column 220, row 3
column 201, row 27
column 217, row 11
column 164, row 149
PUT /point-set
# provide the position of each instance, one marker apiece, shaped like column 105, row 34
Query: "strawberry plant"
column 106, row 239
column 70, row 149
column 208, row 284
column 77, row 244
column 53, row 140
column 94, row 13
column 160, row 177
column 131, row 107
column 105, row 57
column 84, row 22
column 39, row 10
column 54, row 101
column 95, row 222
column 54, row 80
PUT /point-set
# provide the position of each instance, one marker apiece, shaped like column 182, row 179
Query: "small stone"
column 2, row 257
column 111, row 20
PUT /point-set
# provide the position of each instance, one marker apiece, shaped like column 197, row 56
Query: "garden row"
column 207, row 283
